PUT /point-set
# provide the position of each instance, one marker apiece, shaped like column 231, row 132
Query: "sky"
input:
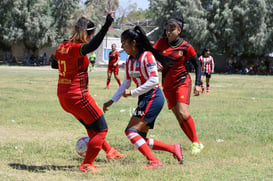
column 143, row 4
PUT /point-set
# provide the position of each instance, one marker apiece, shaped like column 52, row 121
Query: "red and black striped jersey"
column 73, row 77
column 113, row 57
column 179, row 54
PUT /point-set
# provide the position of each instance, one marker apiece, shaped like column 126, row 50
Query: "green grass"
column 37, row 138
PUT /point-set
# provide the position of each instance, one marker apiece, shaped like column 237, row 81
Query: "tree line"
column 229, row 27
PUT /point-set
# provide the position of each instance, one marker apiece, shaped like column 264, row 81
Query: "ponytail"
column 143, row 43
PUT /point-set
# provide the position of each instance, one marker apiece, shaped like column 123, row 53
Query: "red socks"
column 108, row 83
column 118, row 80
column 188, row 127
column 94, row 145
column 106, row 147
column 141, row 145
column 157, row 145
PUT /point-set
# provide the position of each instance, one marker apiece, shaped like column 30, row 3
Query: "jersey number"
column 62, row 67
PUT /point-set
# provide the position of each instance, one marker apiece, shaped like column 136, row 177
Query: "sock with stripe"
column 141, row 145
column 157, row 145
column 208, row 87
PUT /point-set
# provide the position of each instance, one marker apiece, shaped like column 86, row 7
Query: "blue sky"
column 143, row 4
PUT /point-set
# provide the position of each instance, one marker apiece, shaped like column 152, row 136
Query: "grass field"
column 37, row 138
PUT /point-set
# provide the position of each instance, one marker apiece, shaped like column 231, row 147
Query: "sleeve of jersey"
column 155, row 46
column 200, row 59
column 125, row 85
column 151, row 67
column 190, row 52
column 95, row 42
column 212, row 61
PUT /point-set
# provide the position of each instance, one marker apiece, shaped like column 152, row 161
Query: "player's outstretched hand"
column 110, row 18
column 127, row 93
column 106, row 105
column 197, row 90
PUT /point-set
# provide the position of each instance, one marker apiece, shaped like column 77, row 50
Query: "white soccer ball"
column 81, row 146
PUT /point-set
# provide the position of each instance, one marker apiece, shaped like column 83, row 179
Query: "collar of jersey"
column 175, row 43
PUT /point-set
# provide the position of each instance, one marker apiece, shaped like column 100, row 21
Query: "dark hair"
column 177, row 22
column 137, row 34
column 83, row 24
column 174, row 22
column 204, row 51
column 143, row 43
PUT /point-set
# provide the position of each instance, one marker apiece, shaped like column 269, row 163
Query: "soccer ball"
column 81, row 145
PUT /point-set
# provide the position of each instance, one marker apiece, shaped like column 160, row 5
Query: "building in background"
column 105, row 48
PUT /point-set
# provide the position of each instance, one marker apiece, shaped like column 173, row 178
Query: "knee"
column 130, row 130
column 182, row 114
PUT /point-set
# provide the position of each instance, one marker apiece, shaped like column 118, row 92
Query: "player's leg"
column 178, row 101
column 116, row 75
column 154, row 144
column 156, row 102
column 202, row 84
column 132, row 133
column 187, row 124
column 111, row 152
column 97, row 132
column 207, row 83
column 109, row 74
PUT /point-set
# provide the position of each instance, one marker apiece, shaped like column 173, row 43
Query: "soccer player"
column 92, row 59
column 113, row 66
column 176, row 81
column 207, row 63
column 141, row 68
column 73, row 94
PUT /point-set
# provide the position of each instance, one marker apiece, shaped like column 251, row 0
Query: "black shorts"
column 208, row 75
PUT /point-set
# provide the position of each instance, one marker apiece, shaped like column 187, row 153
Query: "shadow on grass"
column 42, row 168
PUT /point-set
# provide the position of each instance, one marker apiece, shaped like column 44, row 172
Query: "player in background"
column 72, row 61
column 176, row 81
column 113, row 66
column 207, row 63
column 141, row 68
column 92, row 60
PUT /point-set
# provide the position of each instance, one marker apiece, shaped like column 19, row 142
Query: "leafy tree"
column 231, row 27
column 269, row 23
column 195, row 28
column 239, row 27
column 63, row 13
column 37, row 25
column 10, row 32
column 97, row 10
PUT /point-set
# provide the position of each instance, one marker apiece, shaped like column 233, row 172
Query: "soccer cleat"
column 153, row 164
column 178, row 153
column 88, row 168
column 113, row 153
column 207, row 92
column 203, row 90
column 196, row 148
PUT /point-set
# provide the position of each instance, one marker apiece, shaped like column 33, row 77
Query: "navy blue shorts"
column 149, row 106
column 208, row 75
